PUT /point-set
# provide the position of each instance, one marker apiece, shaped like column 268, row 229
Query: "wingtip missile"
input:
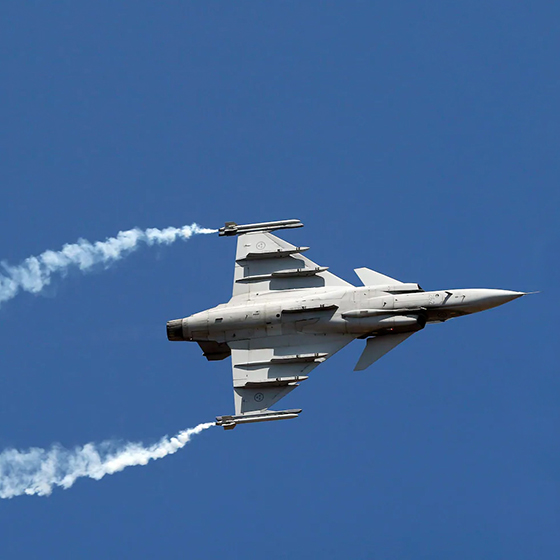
column 229, row 422
column 232, row 228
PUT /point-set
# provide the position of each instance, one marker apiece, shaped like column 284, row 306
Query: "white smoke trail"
column 36, row 471
column 34, row 273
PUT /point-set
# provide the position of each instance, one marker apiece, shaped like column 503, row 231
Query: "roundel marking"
column 261, row 245
column 258, row 397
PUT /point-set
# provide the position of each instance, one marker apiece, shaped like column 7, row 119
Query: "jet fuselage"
column 288, row 315
column 362, row 311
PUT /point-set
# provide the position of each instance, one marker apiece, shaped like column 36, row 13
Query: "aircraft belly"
column 287, row 315
column 246, row 334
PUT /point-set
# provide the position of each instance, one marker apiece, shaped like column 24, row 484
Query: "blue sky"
column 419, row 139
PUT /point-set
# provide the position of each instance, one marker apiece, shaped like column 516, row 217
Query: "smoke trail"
column 34, row 273
column 37, row 471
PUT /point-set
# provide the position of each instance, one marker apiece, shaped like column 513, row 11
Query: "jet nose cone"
column 480, row 300
column 503, row 296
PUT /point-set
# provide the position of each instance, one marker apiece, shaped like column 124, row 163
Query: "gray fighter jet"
column 288, row 315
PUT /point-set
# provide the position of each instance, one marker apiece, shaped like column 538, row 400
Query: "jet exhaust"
column 36, row 272
column 175, row 330
column 37, row 471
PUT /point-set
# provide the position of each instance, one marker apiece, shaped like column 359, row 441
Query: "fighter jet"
column 287, row 315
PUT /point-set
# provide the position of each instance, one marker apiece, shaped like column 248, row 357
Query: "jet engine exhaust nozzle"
column 175, row 330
